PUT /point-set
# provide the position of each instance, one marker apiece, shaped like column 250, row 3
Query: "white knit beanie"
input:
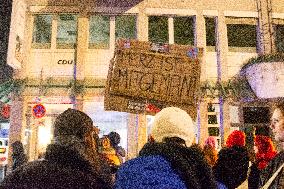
column 173, row 122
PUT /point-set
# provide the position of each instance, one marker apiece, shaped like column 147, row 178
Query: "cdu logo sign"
column 65, row 61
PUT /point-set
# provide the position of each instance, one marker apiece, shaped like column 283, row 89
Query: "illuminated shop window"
column 99, row 31
column 125, row 27
column 66, row 31
column 158, row 29
column 38, row 133
column 4, row 129
column 184, row 30
column 42, row 31
column 107, row 121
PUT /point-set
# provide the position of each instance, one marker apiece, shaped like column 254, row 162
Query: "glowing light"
column 44, row 137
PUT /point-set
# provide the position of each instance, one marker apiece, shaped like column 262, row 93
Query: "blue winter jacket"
column 148, row 172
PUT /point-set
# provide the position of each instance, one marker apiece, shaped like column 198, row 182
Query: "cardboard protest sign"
column 145, row 77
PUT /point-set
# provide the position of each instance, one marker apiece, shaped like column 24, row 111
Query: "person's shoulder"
column 146, row 171
column 280, row 156
column 146, row 162
column 23, row 174
column 273, row 165
column 46, row 174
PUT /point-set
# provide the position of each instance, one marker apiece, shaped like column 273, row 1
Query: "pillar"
column 16, row 130
column 142, row 25
column 82, row 44
column 171, row 30
column 136, row 134
column 222, row 70
column 200, row 41
column 132, row 136
column 266, row 44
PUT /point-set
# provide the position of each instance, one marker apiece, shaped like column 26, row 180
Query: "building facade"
column 54, row 44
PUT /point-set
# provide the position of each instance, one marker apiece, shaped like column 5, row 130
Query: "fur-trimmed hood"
column 185, row 167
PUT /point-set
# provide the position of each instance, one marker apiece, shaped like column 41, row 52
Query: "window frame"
column 242, row 21
column 165, row 16
column 100, row 45
column 36, row 45
column 135, row 24
column 193, row 28
column 66, row 45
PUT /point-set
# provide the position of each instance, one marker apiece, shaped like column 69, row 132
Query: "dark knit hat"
column 72, row 122
column 114, row 138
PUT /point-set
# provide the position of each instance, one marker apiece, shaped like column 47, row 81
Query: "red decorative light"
column 5, row 112
column 152, row 108
column 39, row 110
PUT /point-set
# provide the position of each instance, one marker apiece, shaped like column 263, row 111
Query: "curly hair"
column 266, row 151
column 280, row 106
column 209, row 150
column 210, row 154
column 236, row 138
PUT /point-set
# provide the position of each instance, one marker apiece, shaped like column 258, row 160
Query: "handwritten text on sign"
column 162, row 77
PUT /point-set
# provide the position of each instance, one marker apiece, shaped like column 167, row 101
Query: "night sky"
column 5, row 19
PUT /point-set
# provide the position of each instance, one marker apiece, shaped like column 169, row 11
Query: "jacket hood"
column 188, row 163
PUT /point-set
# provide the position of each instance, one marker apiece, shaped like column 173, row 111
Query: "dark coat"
column 164, row 165
column 18, row 155
column 232, row 166
column 254, row 177
column 272, row 167
column 61, row 168
column 18, row 160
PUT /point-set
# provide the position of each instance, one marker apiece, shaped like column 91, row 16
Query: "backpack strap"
column 269, row 182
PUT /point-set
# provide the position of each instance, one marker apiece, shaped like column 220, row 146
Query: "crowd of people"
column 78, row 158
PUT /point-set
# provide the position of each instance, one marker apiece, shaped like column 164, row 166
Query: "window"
column 213, row 131
column 184, row 30
column 279, row 37
column 125, row 27
column 212, row 119
column 213, row 116
column 241, row 35
column 42, row 31
column 256, row 115
column 66, row 31
column 158, row 29
column 99, row 31
column 210, row 33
